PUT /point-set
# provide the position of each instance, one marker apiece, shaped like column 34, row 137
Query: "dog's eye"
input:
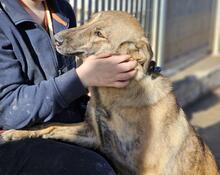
column 99, row 34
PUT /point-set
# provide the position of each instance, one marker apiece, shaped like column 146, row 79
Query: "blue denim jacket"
column 37, row 84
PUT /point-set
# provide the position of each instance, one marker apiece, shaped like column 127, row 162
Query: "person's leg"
column 49, row 157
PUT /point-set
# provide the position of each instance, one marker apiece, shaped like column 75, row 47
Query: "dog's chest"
column 115, row 142
column 115, row 148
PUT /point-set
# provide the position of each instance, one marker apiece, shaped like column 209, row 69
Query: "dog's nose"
column 58, row 40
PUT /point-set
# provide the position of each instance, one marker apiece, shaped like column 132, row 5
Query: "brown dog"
column 140, row 128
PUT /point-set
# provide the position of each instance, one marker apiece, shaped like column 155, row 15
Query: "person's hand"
column 107, row 70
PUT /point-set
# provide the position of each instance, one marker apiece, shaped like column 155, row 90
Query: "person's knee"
column 58, row 158
column 72, row 158
column 97, row 165
column 87, row 162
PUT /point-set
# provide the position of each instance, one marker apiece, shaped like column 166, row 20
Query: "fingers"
column 108, row 70
column 111, row 57
column 100, row 56
column 123, row 79
column 103, row 55
column 121, row 58
column 126, row 75
column 124, row 63
column 127, row 66
column 120, row 84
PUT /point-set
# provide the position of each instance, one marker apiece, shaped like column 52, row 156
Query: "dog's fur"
column 140, row 128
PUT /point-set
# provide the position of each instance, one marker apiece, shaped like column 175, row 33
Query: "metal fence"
column 174, row 28
column 141, row 9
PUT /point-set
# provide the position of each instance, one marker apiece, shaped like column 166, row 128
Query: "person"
column 38, row 85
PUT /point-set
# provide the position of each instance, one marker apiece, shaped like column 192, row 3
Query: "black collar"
column 152, row 68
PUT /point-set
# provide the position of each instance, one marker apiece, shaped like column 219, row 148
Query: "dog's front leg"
column 79, row 133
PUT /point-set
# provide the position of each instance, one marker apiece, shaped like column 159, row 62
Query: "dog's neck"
column 143, row 90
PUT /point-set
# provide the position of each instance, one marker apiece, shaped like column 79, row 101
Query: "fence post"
column 158, row 30
column 154, row 26
column 161, row 32
column 75, row 6
column 216, row 36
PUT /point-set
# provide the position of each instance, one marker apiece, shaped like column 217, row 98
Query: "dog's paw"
column 11, row 135
column 1, row 139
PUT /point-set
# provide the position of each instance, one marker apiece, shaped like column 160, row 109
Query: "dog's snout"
column 58, row 40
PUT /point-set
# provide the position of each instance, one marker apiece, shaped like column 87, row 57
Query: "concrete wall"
column 188, row 27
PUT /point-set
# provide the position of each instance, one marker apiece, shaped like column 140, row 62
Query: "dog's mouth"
column 77, row 53
column 70, row 53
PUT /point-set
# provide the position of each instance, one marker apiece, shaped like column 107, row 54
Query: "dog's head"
column 111, row 31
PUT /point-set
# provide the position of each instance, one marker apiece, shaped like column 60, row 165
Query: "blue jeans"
column 50, row 157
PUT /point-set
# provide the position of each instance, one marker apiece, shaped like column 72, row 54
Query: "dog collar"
column 152, row 68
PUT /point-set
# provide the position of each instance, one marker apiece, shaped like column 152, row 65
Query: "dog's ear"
column 139, row 50
column 96, row 16
column 145, row 52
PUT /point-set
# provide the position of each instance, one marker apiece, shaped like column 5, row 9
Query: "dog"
column 140, row 128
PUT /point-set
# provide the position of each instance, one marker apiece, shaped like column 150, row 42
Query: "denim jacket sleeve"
column 21, row 103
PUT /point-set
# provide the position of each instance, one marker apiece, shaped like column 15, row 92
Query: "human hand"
column 107, row 70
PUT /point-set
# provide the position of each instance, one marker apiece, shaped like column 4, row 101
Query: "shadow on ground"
column 211, row 133
column 202, row 104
